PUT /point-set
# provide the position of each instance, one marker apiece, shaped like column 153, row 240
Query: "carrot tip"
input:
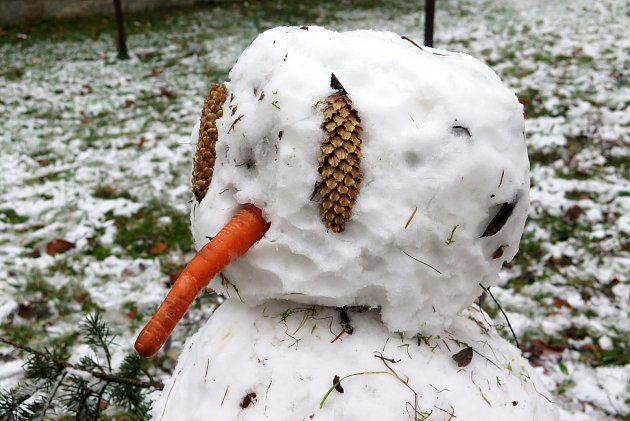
column 143, row 350
column 234, row 239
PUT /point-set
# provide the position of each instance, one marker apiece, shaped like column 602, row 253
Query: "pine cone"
column 203, row 162
column 339, row 163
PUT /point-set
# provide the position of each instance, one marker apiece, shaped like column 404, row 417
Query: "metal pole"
column 429, row 17
column 122, row 41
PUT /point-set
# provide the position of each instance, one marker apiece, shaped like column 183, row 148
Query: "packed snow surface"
column 286, row 358
column 443, row 153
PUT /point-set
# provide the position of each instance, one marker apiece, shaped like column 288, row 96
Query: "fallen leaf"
column 26, row 310
column 539, row 347
column 247, row 399
column 165, row 92
column 159, row 248
column 591, row 347
column 58, row 246
column 463, row 357
column 573, row 213
column 81, row 296
column 499, row 251
column 560, row 302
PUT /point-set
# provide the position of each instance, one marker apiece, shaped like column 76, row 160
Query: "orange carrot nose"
column 234, row 239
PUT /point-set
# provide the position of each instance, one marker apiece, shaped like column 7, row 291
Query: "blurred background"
column 95, row 184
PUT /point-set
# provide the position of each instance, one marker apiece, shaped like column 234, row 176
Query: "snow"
column 412, row 158
column 575, row 51
column 289, row 355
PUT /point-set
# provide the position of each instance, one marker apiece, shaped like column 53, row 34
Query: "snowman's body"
column 289, row 356
column 442, row 203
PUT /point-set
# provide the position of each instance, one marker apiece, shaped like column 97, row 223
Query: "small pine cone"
column 339, row 163
column 203, row 162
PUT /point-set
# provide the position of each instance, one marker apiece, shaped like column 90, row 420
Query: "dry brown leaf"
column 159, row 248
column 463, row 357
column 573, row 213
column 58, row 246
column 561, row 302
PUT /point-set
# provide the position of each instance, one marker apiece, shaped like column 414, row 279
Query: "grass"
column 142, row 234
column 10, row 216
column 96, row 135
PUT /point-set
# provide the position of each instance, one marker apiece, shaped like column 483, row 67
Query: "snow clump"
column 445, row 175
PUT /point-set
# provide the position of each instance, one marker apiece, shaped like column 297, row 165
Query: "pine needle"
column 420, row 261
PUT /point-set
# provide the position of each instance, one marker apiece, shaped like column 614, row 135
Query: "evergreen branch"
column 98, row 335
column 98, row 401
column 98, row 374
column 48, row 403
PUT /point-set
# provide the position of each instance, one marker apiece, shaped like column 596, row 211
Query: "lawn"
column 96, row 152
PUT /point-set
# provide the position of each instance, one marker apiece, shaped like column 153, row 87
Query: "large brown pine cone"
column 339, row 163
column 203, row 162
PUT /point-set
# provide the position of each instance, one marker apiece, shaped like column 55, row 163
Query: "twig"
column 167, row 397
column 487, row 290
column 411, row 217
column 451, row 414
column 234, row 123
column 98, row 374
column 98, row 401
column 338, row 336
column 225, row 394
column 42, row 416
column 406, row 38
column 534, row 385
column 405, row 382
column 420, row 261
column 391, row 360
column 438, row 390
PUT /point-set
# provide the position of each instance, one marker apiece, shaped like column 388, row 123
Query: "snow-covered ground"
column 96, row 151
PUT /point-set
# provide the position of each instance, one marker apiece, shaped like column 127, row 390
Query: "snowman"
column 354, row 192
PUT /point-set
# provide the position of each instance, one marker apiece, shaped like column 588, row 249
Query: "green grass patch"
column 12, row 217
column 140, row 234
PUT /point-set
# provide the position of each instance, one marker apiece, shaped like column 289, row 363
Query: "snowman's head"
column 392, row 176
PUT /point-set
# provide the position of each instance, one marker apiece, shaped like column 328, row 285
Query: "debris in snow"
column 499, row 220
column 463, row 357
column 248, row 399
column 236, row 337
column 337, row 384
